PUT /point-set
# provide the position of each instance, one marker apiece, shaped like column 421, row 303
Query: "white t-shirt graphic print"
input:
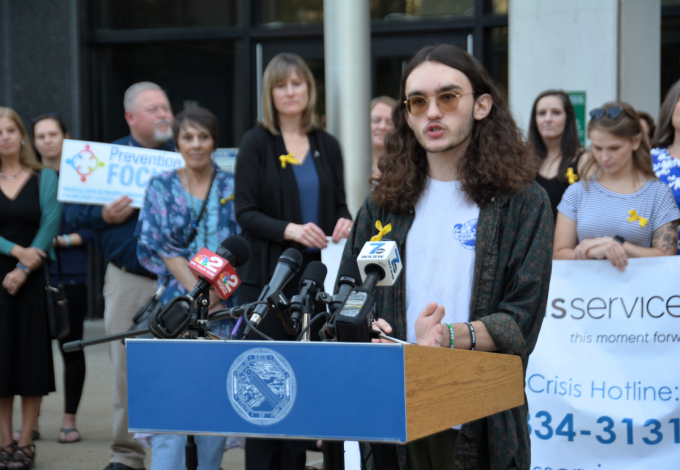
column 440, row 253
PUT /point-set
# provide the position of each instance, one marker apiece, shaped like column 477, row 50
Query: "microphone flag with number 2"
column 216, row 271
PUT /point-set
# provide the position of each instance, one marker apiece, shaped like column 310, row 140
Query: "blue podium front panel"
column 268, row 389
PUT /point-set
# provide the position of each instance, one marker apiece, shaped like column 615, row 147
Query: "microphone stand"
column 307, row 311
column 197, row 330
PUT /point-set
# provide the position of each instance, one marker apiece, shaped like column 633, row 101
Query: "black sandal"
column 5, row 456
column 22, row 458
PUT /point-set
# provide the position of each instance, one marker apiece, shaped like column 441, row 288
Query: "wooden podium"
column 292, row 390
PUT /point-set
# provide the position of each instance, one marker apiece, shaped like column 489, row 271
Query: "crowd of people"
column 447, row 145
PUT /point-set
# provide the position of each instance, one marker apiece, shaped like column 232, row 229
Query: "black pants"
column 74, row 362
column 275, row 454
column 434, row 452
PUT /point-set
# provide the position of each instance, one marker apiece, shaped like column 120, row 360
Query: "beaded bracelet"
column 473, row 336
column 451, row 333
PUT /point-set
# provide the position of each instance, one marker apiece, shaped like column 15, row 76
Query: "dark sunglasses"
column 37, row 119
column 612, row 113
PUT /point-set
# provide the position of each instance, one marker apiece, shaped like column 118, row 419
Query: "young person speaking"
column 475, row 233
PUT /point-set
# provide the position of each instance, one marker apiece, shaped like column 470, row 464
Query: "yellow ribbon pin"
column 285, row 159
column 633, row 217
column 381, row 231
column 571, row 176
column 225, row 200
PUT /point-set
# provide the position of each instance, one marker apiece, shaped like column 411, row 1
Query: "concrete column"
column 347, row 55
column 608, row 48
column 640, row 54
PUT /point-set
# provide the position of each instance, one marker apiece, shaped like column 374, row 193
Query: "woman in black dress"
column 554, row 136
column 289, row 193
column 29, row 219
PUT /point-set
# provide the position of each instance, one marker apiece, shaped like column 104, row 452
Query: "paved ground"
column 94, row 418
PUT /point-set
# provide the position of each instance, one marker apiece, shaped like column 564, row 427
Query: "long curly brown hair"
column 496, row 161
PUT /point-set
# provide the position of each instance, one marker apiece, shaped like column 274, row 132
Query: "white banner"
column 603, row 381
column 96, row 173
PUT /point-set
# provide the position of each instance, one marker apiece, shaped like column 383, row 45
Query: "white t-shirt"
column 440, row 253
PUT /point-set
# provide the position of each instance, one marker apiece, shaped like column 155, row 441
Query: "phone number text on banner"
column 96, row 173
column 603, row 384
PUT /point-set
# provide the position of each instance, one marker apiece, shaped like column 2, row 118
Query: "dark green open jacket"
column 513, row 261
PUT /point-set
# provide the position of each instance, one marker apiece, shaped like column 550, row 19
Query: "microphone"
column 216, row 270
column 310, row 283
column 289, row 264
column 380, row 265
column 175, row 316
column 348, row 278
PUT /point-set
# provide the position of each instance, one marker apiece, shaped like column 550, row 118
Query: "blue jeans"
column 168, row 452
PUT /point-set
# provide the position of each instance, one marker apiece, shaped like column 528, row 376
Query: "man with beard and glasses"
column 475, row 232
column 127, row 285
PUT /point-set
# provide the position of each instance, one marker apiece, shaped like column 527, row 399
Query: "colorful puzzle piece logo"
column 202, row 260
column 84, row 162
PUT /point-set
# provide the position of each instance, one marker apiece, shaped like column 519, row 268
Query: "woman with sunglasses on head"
column 29, row 219
column 290, row 193
column 666, row 143
column 554, row 137
column 622, row 210
column 49, row 132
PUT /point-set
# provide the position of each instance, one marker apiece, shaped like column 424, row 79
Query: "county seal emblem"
column 261, row 386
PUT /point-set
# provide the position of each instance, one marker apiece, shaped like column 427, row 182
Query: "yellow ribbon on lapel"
column 285, row 159
column 571, row 176
column 225, row 200
column 381, row 231
column 633, row 217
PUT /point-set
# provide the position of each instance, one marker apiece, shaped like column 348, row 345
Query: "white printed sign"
column 96, row 173
column 603, row 381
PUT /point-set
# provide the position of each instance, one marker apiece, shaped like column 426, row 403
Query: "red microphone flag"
column 216, row 271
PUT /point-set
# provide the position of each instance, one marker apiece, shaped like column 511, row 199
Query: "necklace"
column 9, row 178
column 194, row 216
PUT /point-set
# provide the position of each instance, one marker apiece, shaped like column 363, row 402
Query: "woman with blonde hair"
column 290, row 193
column 29, row 220
column 621, row 210
column 381, row 124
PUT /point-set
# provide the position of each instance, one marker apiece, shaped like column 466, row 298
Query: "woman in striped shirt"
column 621, row 210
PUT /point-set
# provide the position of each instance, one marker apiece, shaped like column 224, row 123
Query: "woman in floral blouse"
column 171, row 207
column 666, row 143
